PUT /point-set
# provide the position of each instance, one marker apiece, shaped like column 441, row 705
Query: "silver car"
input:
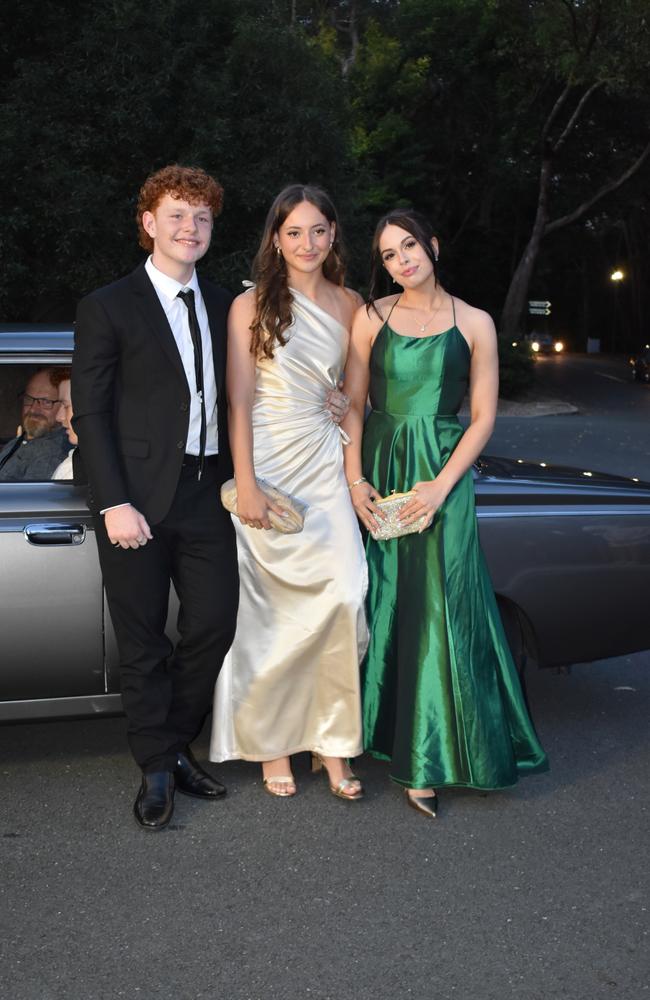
column 568, row 551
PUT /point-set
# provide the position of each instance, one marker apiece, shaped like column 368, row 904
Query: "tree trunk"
column 518, row 290
column 516, row 297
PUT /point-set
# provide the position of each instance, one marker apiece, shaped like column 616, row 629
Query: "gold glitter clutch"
column 390, row 526
column 294, row 509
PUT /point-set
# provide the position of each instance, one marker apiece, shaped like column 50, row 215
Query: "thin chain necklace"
column 424, row 325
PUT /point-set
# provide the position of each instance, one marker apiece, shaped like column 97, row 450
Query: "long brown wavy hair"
column 272, row 295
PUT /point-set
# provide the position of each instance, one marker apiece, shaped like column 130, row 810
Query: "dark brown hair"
column 272, row 296
column 189, row 183
column 420, row 229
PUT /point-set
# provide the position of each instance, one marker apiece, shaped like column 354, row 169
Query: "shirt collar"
column 167, row 286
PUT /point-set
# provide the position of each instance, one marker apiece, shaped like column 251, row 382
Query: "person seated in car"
column 41, row 443
column 63, row 417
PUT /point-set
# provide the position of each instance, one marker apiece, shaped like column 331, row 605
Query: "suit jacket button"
column 180, row 445
column 184, row 407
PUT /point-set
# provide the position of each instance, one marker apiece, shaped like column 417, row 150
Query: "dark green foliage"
column 102, row 94
column 435, row 103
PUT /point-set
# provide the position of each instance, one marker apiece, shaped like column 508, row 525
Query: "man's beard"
column 35, row 427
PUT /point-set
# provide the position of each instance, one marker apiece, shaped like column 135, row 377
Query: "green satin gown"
column 441, row 695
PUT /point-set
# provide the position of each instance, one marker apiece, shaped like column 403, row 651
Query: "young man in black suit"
column 149, row 400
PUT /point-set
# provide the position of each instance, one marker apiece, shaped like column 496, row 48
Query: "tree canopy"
column 518, row 126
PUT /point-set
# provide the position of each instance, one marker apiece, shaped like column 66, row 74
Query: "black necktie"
column 195, row 332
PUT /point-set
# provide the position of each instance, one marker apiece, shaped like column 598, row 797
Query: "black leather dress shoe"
column 154, row 805
column 191, row 779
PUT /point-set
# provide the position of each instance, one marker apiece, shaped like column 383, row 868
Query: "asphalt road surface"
column 535, row 893
column 610, row 432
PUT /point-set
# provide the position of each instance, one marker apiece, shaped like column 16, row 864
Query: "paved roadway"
column 535, row 893
column 610, row 432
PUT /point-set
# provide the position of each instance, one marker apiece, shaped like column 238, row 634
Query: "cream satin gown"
column 291, row 679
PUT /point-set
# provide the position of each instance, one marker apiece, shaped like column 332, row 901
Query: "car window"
column 31, row 453
column 12, row 380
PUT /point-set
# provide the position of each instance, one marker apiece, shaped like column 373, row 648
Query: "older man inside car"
column 41, row 443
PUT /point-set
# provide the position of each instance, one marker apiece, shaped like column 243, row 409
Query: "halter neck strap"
column 392, row 307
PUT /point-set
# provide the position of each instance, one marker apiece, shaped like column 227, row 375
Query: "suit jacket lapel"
column 154, row 315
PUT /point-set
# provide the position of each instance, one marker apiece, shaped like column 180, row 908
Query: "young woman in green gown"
column 441, row 696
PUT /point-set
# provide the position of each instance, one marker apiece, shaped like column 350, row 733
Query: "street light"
column 617, row 277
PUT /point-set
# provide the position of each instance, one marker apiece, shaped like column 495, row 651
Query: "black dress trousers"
column 168, row 691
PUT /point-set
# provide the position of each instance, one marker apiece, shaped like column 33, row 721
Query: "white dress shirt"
column 167, row 290
column 64, row 470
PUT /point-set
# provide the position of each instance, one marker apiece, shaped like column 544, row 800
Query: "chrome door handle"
column 55, row 534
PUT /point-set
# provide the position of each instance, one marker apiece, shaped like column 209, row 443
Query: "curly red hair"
column 58, row 375
column 189, row 183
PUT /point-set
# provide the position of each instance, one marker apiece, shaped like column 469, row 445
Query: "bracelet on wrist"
column 357, row 482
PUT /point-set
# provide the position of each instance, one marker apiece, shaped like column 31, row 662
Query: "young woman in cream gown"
column 291, row 680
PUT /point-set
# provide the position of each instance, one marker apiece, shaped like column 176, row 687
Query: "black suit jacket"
column 130, row 396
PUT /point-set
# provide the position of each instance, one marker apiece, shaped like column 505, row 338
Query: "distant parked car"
column 641, row 364
column 543, row 343
column 568, row 552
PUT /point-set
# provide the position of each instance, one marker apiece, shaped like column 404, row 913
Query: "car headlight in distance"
column 559, row 346
column 535, row 345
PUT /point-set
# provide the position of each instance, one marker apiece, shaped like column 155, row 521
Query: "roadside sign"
column 534, row 311
column 534, row 304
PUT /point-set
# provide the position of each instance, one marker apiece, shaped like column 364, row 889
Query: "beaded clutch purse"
column 390, row 526
column 294, row 509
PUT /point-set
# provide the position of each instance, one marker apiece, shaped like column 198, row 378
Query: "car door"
column 50, row 594
column 51, row 602
column 573, row 556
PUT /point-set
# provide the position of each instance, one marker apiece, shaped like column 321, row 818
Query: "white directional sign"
column 534, row 304
column 534, row 311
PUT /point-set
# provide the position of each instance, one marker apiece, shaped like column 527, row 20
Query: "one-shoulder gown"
column 291, row 679
column 441, row 696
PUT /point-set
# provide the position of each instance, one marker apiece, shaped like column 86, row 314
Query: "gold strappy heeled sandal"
column 318, row 764
column 279, row 779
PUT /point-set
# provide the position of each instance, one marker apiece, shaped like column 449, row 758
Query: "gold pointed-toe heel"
column 318, row 764
column 425, row 804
